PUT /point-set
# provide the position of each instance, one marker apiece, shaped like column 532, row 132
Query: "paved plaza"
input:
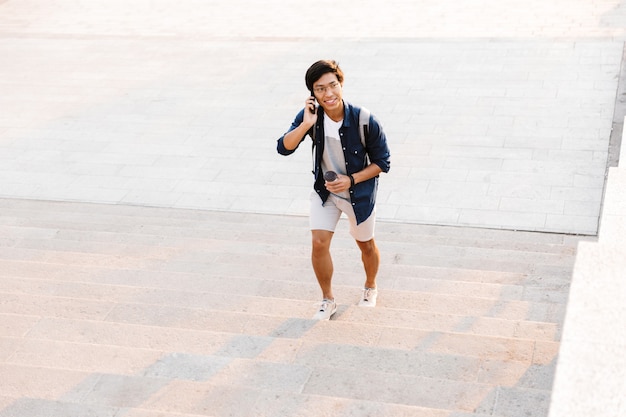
column 154, row 250
column 498, row 115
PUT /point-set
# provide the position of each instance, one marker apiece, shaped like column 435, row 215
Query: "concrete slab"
column 613, row 224
column 590, row 373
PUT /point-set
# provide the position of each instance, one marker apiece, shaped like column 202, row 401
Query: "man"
column 333, row 126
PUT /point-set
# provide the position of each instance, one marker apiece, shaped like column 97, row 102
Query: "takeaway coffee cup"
column 330, row 176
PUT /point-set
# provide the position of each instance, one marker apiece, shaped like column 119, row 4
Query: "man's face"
column 328, row 92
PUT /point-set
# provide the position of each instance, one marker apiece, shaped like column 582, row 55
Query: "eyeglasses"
column 322, row 89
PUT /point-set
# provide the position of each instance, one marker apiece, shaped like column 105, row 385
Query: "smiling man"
column 357, row 158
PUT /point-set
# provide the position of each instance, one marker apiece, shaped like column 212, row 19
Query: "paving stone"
column 123, row 390
column 40, row 408
column 377, row 359
column 23, row 304
column 483, row 347
column 8, row 346
column 12, row 325
column 315, row 405
column 187, row 367
column 275, row 377
column 129, row 335
column 138, row 412
column 82, row 357
column 187, row 397
column 42, row 383
column 394, row 388
column 513, row 401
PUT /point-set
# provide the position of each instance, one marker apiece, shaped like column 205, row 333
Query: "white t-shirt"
column 333, row 158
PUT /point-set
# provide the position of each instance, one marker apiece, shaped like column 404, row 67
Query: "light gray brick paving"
column 460, row 121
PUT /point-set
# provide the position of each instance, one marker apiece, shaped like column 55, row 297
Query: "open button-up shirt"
column 357, row 157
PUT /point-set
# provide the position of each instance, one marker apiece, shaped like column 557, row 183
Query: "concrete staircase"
column 126, row 311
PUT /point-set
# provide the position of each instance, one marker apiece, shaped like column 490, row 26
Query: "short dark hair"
column 320, row 68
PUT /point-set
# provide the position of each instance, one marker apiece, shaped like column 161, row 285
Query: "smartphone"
column 312, row 110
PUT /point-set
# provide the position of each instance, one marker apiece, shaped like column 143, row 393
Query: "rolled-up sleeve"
column 377, row 147
column 280, row 146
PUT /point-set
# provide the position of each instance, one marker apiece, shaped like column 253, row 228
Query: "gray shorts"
column 326, row 217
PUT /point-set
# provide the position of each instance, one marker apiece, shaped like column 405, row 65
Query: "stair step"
column 193, row 312
column 280, row 343
column 455, row 380
column 189, row 399
column 249, row 315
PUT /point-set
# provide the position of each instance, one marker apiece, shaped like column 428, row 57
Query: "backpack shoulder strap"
column 364, row 122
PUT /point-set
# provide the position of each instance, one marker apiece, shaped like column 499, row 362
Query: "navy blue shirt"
column 363, row 194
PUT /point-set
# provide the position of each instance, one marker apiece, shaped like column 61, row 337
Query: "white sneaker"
column 369, row 297
column 327, row 309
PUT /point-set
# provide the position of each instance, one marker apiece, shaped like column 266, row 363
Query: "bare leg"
column 322, row 261
column 371, row 260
